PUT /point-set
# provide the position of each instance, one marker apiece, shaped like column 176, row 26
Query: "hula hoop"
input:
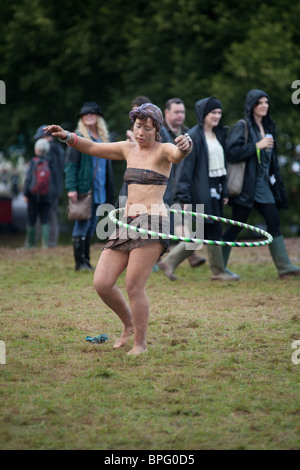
column 268, row 236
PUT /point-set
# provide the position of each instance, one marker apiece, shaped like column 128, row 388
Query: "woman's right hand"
column 56, row 131
column 73, row 195
column 265, row 143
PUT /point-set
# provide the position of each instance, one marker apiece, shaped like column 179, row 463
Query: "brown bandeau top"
column 142, row 176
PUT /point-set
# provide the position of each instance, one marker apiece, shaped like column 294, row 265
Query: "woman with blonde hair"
column 83, row 172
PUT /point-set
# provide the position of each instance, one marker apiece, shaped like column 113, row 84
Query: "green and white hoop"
column 268, row 236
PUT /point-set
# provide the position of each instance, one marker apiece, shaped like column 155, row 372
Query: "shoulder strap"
column 246, row 129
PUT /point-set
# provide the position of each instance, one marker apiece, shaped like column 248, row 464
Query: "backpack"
column 40, row 177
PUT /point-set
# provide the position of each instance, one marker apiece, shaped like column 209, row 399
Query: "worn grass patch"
column 218, row 373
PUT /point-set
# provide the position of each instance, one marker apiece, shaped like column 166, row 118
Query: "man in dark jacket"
column 174, row 124
column 203, row 181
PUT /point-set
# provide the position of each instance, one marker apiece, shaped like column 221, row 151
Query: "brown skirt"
column 124, row 239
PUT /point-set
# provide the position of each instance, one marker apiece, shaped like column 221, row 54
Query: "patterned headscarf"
column 145, row 111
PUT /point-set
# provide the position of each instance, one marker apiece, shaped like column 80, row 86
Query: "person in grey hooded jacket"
column 263, row 188
column 202, row 180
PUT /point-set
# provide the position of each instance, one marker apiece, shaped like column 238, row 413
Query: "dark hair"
column 267, row 122
column 171, row 101
column 140, row 100
column 148, row 111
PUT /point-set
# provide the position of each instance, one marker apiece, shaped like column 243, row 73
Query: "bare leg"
column 110, row 265
column 140, row 265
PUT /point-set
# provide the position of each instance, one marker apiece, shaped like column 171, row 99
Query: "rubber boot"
column 87, row 246
column 195, row 260
column 216, row 263
column 79, row 254
column 281, row 258
column 45, row 235
column 170, row 263
column 30, row 236
column 226, row 253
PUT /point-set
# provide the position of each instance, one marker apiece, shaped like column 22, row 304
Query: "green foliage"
column 55, row 56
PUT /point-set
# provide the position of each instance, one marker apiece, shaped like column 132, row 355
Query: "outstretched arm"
column 110, row 151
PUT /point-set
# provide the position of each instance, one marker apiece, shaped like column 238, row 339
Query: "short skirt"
column 125, row 239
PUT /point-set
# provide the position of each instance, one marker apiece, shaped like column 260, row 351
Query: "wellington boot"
column 30, row 236
column 216, row 263
column 226, row 253
column 45, row 235
column 174, row 258
column 87, row 246
column 281, row 258
column 195, row 260
column 79, row 254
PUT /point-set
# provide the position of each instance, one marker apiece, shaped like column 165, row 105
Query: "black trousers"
column 37, row 207
column 240, row 213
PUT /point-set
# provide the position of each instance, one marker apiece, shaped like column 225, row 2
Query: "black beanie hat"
column 212, row 103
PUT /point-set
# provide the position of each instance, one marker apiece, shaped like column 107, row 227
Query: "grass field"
column 218, row 373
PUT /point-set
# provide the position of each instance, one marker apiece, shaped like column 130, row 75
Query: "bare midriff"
column 145, row 199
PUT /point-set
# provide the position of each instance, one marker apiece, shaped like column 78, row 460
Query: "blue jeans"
column 86, row 228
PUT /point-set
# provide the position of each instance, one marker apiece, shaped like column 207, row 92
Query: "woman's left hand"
column 183, row 142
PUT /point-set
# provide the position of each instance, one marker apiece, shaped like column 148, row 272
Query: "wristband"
column 258, row 155
column 66, row 140
column 76, row 138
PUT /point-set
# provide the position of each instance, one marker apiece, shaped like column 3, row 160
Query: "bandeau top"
column 142, row 176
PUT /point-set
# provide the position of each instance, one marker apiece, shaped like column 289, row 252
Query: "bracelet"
column 189, row 139
column 76, row 138
column 66, row 140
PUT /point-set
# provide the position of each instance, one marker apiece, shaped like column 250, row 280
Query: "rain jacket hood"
column 200, row 107
column 251, row 99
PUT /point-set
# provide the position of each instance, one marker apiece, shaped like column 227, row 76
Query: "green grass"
column 218, row 373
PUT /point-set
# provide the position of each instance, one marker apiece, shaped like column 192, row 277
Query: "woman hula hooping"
column 148, row 163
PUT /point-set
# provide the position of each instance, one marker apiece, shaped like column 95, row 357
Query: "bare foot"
column 123, row 338
column 137, row 350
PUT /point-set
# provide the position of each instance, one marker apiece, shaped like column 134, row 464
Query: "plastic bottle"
column 269, row 150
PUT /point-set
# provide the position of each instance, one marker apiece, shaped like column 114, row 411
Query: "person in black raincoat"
column 202, row 180
column 263, row 188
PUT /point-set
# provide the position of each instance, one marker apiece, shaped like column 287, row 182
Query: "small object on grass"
column 97, row 339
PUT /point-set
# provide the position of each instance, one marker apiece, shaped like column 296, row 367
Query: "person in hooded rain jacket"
column 263, row 187
column 202, row 180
